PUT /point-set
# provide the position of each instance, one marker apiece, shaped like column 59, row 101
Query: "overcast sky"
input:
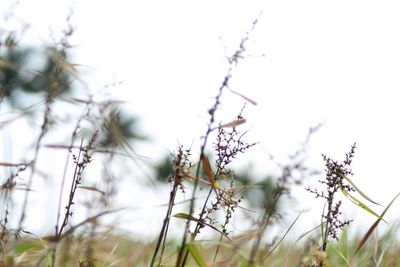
column 307, row 62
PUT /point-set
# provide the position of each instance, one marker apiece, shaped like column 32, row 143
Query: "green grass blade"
column 25, row 247
column 358, row 190
column 343, row 257
column 283, row 237
column 358, row 202
column 191, row 218
column 308, row 232
column 196, row 255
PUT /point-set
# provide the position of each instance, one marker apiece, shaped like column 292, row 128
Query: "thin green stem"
column 164, row 229
column 182, row 249
column 198, row 225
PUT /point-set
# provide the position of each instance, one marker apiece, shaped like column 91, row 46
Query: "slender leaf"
column 244, row 97
column 358, row 190
column 372, row 228
column 341, row 255
column 91, row 188
column 208, row 170
column 358, row 202
column 5, row 64
column 308, row 232
column 189, row 217
column 25, row 247
column 195, row 253
column 233, row 123
column 283, row 237
column 9, row 164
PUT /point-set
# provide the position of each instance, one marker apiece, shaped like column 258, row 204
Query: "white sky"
column 336, row 62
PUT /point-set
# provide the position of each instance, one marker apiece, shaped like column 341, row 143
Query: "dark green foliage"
column 118, row 129
column 256, row 193
column 28, row 71
column 163, row 169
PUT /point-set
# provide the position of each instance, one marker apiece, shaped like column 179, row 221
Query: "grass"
column 215, row 194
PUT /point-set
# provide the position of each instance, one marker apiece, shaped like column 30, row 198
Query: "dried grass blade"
column 91, row 188
column 5, row 64
column 372, row 228
column 9, row 164
column 208, row 170
column 244, row 97
column 59, row 146
column 87, row 220
column 233, row 123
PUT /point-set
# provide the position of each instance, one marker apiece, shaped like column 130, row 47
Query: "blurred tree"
column 31, row 73
column 164, row 168
column 118, row 128
column 28, row 71
column 258, row 194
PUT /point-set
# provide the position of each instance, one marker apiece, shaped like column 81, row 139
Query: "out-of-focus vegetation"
column 41, row 87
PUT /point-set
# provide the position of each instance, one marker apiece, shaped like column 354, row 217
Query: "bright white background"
column 308, row 62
